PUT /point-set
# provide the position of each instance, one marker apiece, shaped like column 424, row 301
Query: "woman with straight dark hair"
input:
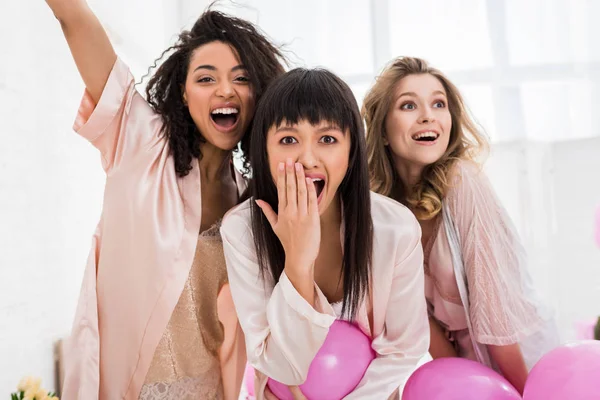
column 155, row 319
column 313, row 244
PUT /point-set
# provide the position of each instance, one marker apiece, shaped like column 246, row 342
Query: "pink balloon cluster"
column 338, row 367
column 569, row 372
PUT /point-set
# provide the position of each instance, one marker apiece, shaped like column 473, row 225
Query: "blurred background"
column 530, row 72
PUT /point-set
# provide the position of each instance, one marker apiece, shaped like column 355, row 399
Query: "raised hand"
column 297, row 223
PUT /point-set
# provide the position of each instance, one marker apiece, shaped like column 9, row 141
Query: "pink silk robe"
column 505, row 307
column 141, row 255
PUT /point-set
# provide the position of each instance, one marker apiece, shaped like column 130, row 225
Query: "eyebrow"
column 413, row 94
column 292, row 128
column 213, row 68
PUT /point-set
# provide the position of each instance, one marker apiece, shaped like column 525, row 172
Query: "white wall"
column 50, row 189
column 552, row 191
column 575, row 264
column 51, row 181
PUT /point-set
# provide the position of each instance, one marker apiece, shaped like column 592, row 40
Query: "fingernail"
column 281, row 166
column 289, row 162
column 298, row 167
column 308, row 180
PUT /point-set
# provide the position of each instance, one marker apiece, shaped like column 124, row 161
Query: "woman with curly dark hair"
column 155, row 317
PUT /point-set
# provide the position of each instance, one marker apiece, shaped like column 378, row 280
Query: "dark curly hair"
column 260, row 57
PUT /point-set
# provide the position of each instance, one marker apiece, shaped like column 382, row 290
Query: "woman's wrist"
column 301, row 275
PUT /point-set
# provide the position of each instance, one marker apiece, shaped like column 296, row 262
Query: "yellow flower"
column 29, row 382
column 35, row 383
column 23, row 384
column 30, row 393
column 32, row 390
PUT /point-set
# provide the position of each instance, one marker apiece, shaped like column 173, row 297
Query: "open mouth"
column 426, row 137
column 319, row 185
column 319, row 181
column 225, row 118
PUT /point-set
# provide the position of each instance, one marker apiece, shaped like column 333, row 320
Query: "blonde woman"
column 422, row 148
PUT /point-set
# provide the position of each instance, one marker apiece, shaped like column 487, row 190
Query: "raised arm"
column 92, row 51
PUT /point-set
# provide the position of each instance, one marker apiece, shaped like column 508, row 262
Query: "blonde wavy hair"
column 467, row 141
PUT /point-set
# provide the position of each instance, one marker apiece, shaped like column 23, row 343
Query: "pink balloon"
column 249, row 379
column 457, row 379
column 337, row 368
column 597, row 227
column 568, row 372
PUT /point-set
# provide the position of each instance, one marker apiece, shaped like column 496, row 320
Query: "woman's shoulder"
column 238, row 218
column 465, row 170
column 389, row 215
column 464, row 177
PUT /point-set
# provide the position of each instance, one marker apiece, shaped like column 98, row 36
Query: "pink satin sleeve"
column 122, row 122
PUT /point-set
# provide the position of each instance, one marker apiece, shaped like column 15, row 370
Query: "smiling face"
column 323, row 150
column 418, row 123
column 218, row 94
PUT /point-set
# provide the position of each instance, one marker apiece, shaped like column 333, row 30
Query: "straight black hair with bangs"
column 315, row 95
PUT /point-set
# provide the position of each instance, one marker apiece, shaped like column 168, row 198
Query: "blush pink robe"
column 142, row 251
column 503, row 306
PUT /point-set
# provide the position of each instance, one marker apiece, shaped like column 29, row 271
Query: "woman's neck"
column 214, row 163
column 331, row 219
column 409, row 173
